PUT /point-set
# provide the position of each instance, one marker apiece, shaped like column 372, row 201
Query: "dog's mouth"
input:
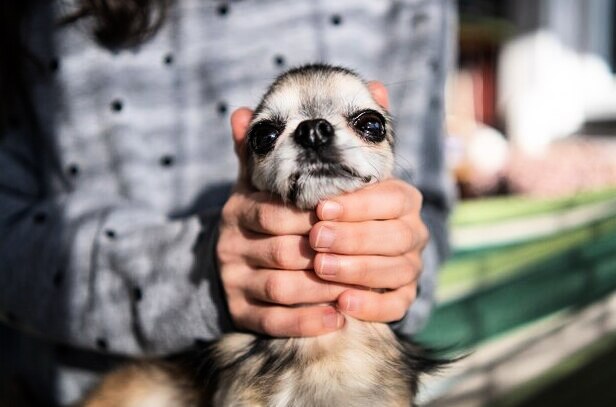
column 320, row 172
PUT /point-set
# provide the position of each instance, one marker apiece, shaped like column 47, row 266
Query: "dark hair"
column 114, row 24
column 121, row 23
column 12, row 54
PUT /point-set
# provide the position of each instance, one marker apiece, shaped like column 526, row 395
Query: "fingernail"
column 332, row 319
column 329, row 265
column 331, row 210
column 325, row 238
column 351, row 304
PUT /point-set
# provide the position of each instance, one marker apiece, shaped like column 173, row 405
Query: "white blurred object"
column 547, row 91
column 487, row 150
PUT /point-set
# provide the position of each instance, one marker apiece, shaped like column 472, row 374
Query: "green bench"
column 489, row 288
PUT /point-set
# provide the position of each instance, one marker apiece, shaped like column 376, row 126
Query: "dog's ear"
column 379, row 93
column 240, row 119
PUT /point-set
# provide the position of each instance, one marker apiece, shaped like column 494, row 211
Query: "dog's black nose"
column 314, row 134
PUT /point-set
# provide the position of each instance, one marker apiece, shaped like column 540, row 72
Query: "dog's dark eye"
column 371, row 125
column 262, row 137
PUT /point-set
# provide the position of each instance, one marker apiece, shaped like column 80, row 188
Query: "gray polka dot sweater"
column 109, row 207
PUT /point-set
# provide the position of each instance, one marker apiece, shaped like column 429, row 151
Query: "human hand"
column 266, row 260
column 372, row 238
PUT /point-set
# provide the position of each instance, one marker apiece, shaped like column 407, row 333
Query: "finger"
column 386, row 238
column 282, row 321
column 240, row 119
column 279, row 252
column 292, row 288
column 385, row 200
column 368, row 271
column 271, row 216
column 379, row 93
column 377, row 307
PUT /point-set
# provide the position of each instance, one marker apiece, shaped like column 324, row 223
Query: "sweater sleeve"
column 97, row 272
column 421, row 147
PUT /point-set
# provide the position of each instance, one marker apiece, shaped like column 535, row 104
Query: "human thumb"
column 240, row 119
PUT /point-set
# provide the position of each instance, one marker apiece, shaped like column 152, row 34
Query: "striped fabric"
column 116, row 255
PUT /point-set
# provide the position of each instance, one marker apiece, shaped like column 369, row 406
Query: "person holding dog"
column 122, row 235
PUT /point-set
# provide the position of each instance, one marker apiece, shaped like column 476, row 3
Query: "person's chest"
column 151, row 122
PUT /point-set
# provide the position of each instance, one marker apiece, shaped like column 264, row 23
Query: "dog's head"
column 318, row 132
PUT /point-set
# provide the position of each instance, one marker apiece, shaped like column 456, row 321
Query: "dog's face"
column 318, row 132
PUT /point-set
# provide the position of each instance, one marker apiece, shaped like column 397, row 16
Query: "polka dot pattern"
column 54, row 65
column 120, row 102
column 279, row 61
column 102, row 344
column 58, row 278
column 167, row 160
column 137, row 294
column 419, row 19
column 222, row 108
column 223, row 9
column 73, row 170
column 117, row 105
column 39, row 218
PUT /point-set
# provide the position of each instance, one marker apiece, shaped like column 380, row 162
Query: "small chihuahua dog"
column 316, row 133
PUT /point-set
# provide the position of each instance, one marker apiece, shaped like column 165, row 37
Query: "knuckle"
column 398, row 194
column 241, row 312
column 275, row 289
column 281, row 255
column 235, row 309
column 304, row 325
column 224, row 248
column 361, row 273
column 408, row 274
column 399, row 311
column 269, row 323
column 401, row 306
column 411, row 295
column 301, row 326
column 413, row 199
column 400, row 188
column 418, row 197
column 399, row 184
column 234, row 280
column 414, row 261
column 401, row 200
column 228, row 210
column 406, row 189
column 228, row 279
column 407, row 241
column 265, row 217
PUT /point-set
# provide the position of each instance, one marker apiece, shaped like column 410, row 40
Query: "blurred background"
column 529, row 293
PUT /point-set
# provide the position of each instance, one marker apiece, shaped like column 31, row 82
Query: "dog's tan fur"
column 145, row 384
column 337, row 369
